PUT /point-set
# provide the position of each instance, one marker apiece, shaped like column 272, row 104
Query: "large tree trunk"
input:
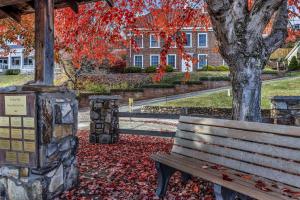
column 239, row 30
column 246, row 89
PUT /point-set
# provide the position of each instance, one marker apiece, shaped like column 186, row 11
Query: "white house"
column 16, row 59
column 295, row 52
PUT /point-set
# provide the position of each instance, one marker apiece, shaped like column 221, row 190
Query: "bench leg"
column 222, row 193
column 164, row 174
column 185, row 177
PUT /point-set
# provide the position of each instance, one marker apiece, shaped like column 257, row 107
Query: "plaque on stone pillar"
column 18, row 142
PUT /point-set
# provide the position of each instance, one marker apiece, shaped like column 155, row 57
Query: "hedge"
column 214, row 78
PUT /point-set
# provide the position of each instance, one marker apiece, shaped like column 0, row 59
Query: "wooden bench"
column 244, row 159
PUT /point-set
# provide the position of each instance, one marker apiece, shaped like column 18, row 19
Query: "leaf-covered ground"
column 125, row 171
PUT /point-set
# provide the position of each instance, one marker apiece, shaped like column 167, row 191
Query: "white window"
column 28, row 61
column 202, row 60
column 188, row 40
column 154, row 41
column 138, row 61
column 154, row 60
column 171, row 60
column 139, row 41
column 16, row 61
column 202, row 40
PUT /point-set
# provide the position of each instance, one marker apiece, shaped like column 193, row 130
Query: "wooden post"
column 44, row 41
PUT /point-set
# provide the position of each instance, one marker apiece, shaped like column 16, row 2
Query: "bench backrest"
column 267, row 150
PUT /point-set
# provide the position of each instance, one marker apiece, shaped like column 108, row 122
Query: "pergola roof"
column 16, row 8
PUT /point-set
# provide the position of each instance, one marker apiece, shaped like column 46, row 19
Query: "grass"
column 21, row 79
column 222, row 100
column 9, row 80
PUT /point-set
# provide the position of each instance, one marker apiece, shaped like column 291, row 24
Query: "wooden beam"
column 11, row 2
column 31, row 4
column 44, row 41
column 73, row 4
column 12, row 13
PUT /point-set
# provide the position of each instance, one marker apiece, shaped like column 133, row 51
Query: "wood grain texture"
column 195, row 168
column 242, row 125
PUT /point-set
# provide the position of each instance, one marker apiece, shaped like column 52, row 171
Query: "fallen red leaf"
column 226, row 177
column 262, row 186
column 217, row 167
column 291, row 192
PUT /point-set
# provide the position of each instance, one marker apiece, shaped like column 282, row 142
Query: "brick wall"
column 213, row 57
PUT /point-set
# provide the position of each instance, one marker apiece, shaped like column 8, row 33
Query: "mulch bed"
column 125, row 171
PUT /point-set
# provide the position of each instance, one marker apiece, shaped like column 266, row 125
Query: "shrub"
column 133, row 70
column 188, row 82
column 151, row 69
column 169, row 68
column 215, row 68
column 158, row 86
column 294, row 65
column 12, row 72
column 99, row 88
column 119, row 66
column 214, row 78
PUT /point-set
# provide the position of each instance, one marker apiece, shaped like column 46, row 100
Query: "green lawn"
column 8, row 80
column 222, row 100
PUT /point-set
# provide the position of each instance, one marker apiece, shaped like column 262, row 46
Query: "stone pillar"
column 38, row 143
column 104, row 128
column 286, row 110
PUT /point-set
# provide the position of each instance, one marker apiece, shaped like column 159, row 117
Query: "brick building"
column 201, row 45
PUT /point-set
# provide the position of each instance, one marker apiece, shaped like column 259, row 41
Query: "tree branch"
column 279, row 29
column 261, row 14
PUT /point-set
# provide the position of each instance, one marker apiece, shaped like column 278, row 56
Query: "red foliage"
column 125, row 171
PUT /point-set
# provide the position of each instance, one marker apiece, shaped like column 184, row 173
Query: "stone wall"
column 225, row 113
column 286, row 110
column 104, row 127
column 56, row 170
column 148, row 93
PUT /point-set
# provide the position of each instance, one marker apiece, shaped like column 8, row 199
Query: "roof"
column 294, row 51
column 280, row 53
column 16, row 8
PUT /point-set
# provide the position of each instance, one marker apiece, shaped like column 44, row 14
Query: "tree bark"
column 240, row 34
column 246, row 90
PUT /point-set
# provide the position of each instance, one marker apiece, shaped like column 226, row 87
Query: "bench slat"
column 216, row 177
column 237, row 175
column 262, row 127
column 273, row 151
column 240, row 166
column 256, row 159
column 268, row 138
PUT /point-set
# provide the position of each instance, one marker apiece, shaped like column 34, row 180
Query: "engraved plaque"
column 4, row 121
column 11, row 156
column 15, row 105
column 17, row 145
column 16, row 121
column 29, row 146
column 28, row 122
column 16, row 133
column 5, row 144
column 4, row 133
column 29, row 134
column 23, row 158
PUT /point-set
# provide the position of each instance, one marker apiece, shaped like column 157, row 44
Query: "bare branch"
column 279, row 30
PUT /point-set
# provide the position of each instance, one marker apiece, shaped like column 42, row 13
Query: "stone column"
column 38, row 129
column 286, row 110
column 104, row 127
